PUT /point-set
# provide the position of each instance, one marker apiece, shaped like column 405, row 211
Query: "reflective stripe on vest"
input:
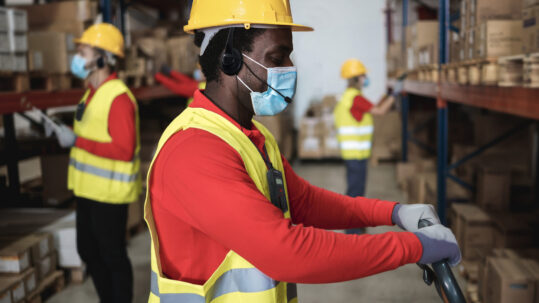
column 354, row 136
column 235, row 279
column 355, row 145
column 108, row 174
column 355, row 130
column 99, row 178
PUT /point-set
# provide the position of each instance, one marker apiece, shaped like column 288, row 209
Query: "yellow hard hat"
column 352, row 68
column 104, row 36
column 208, row 13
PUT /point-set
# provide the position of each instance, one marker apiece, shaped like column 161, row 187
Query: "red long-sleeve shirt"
column 360, row 106
column 204, row 204
column 178, row 83
column 121, row 126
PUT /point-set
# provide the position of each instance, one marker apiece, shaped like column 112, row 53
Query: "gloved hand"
column 397, row 88
column 66, row 137
column 407, row 216
column 439, row 244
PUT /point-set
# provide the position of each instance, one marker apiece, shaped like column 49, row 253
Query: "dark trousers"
column 356, row 176
column 101, row 242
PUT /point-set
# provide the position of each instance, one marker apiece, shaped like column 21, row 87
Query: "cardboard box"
column 50, row 51
column 509, row 281
column 39, row 244
column 497, row 38
column 182, row 54
column 310, row 138
column 473, row 228
column 15, row 257
column 530, row 29
column 513, row 231
column 493, row 188
column 406, row 170
column 28, row 277
column 387, row 135
column 13, row 20
column 46, row 266
column 62, row 11
column 11, row 290
column 483, row 10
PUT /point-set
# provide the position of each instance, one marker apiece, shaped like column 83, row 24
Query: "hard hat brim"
column 293, row 26
column 81, row 41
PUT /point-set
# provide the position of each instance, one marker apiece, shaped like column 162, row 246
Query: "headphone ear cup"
column 100, row 62
column 231, row 61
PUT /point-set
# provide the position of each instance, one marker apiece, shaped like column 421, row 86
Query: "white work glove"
column 66, row 137
column 407, row 216
column 397, row 88
column 439, row 244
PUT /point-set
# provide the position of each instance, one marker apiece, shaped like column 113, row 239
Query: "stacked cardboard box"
column 317, row 136
column 530, row 24
column 395, row 62
column 387, row 140
column 474, row 230
column 282, row 128
column 13, row 40
column 421, row 44
column 489, row 29
column 52, row 30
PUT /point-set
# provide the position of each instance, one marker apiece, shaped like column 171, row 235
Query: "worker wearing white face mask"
column 104, row 163
column 229, row 219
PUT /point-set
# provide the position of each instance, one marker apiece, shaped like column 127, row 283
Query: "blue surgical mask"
column 77, row 67
column 366, row 82
column 282, row 79
column 197, row 75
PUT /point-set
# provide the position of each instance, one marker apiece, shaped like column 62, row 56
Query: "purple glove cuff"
column 436, row 250
column 395, row 215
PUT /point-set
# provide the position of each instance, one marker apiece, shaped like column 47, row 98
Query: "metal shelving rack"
column 11, row 103
column 517, row 101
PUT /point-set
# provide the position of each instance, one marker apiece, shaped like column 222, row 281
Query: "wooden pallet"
column 428, row 73
column 450, row 73
column 49, row 286
column 469, row 270
column 13, row 82
column 511, row 71
column 475, row 72
column 76, row 275
column 53, row 82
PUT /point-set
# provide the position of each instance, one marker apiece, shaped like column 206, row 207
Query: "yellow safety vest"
column 97, row 178
column 201, row 85
column 235, row 280
column 355, row 138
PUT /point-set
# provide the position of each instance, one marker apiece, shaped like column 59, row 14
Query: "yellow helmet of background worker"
column 214, row 13
column 352, row 68
column 104, row 36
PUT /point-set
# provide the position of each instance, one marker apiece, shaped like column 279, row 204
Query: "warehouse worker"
column 229, row 219
column 353, row 119
column 181, row 84
column 104, row 163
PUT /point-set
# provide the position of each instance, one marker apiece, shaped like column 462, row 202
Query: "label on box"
column 44, row 247
column 31, row 282
column 45, row 266
column 18, row 292
column 6, row 297
column 311, row 144
column 14, row 264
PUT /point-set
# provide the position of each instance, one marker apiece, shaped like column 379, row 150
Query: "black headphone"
column 100, row 62
column 231, row 60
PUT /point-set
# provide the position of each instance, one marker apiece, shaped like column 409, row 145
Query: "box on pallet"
column 482, row 10
column 28, row 277
column 15, row 257
column 309, row 141
column 11, row 290
column 493, row 188
column 423, row 35
column 387, row 136
column 50, row 51
column 509, row 280
column 473, row 228
column 182, row 54
column 46, row 266
column 513, row 230
column 530, row 29
column 495, row 38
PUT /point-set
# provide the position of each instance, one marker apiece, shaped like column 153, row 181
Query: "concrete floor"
column 402, row 285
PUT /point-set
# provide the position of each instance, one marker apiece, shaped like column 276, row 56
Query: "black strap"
column 265, row 156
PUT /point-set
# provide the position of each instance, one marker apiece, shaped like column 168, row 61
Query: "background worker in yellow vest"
column 104, row 163
column 353, row 119
column 229, row 219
